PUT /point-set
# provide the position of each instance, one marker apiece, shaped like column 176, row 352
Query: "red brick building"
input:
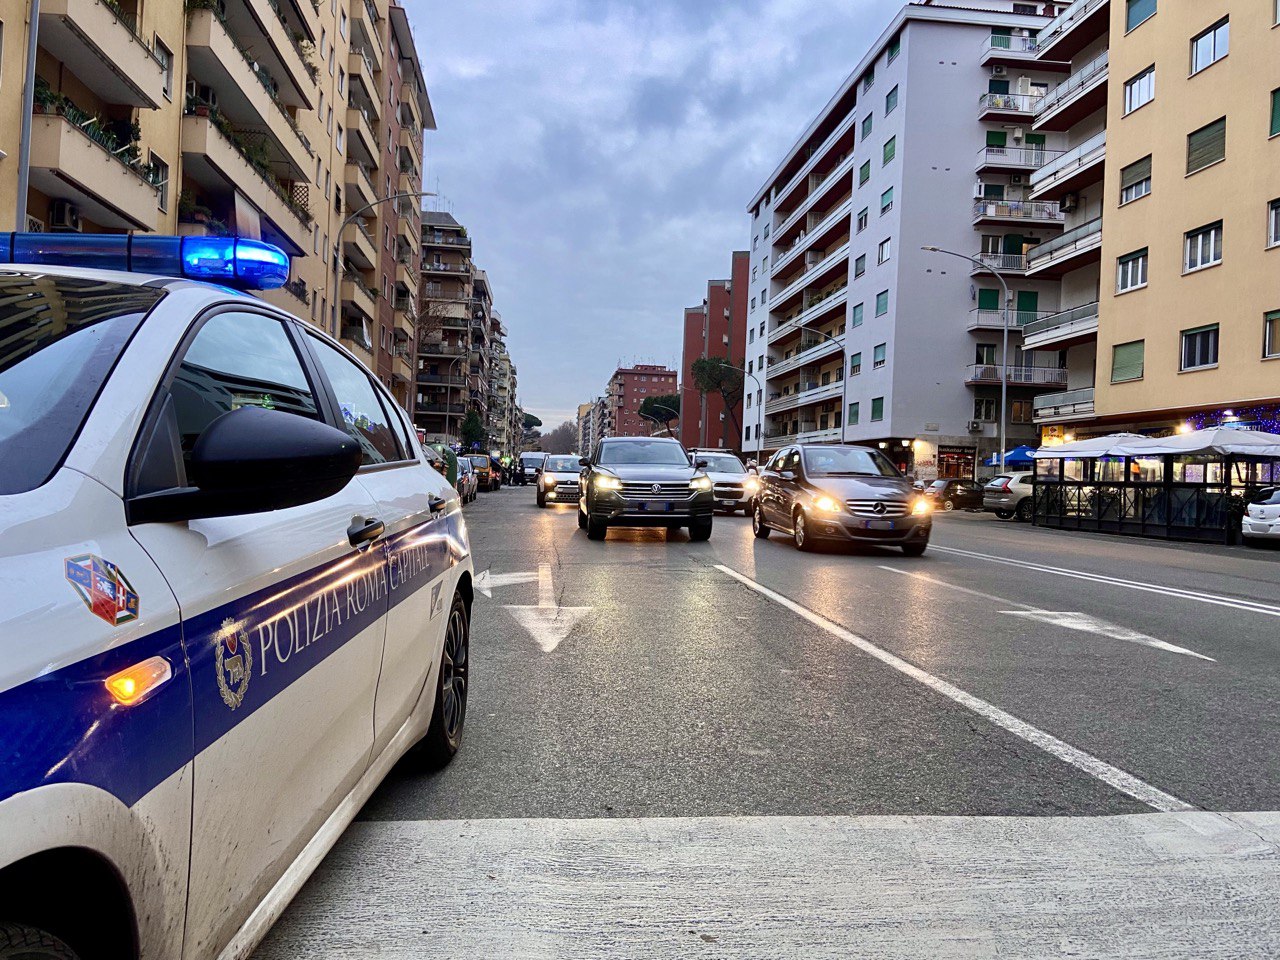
column 717, row 328
column 628, row 388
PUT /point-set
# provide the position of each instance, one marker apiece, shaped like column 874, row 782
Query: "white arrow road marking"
column 547, row 623
column 1069, row 620
column 486, row 581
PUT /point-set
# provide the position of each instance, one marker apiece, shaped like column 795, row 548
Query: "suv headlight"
column 700, row 483
column 827, row 504
column 548, row 481
column 607, row 483
column 921, row 507
column 751, row 485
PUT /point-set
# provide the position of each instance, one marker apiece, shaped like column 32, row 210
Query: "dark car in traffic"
column 955, row 494
column 845, row 494
column 644, row 482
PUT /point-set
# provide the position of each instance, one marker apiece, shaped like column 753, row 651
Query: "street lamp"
column 844, row 379
column 1004, row 356
column 759, row 406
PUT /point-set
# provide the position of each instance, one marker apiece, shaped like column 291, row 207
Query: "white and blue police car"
column 232, row 594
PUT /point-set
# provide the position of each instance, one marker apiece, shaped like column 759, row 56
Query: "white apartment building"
column 857, row 334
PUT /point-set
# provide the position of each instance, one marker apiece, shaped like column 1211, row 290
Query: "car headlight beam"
column 607, row 483
column 921, row 507
column 827, row 504
column 700, row 483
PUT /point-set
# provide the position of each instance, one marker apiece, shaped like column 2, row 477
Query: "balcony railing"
column 982, row 319
column 990, row 373
column 1074, row 238
column 1070, row 403
column 798, row 282
column 1017, row 210
column 1077, row 317
column 1064, row 22
column 1008, row 102
column 1069, row 87
column 1004, row 262
column 1019, row 158
column 1069, row 161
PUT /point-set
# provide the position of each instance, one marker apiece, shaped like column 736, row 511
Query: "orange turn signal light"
column 136, row 683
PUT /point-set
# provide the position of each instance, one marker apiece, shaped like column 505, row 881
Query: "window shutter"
column 997, row 138
column 1127, row 361
column 1135, row 173
column 988, row 299
column 1207, row 145
column 1275, row 112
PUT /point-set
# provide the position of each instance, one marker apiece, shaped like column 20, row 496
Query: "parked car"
column 644, row 482
column 468, row 483
column 844, row 494
column 1009, row 495
column 734, row 486
column 486, row 479
column 953, row 494
column 1262, row 516
column 558, row 479
column 528, row 467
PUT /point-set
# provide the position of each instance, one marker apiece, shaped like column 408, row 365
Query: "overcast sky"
column 602, row 154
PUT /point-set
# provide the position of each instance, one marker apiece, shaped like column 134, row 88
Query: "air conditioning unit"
column 975, row 426
column 64, row 216
column 1018, row 134
column 999, row 70
column 1069, row 202
column 35, row 225
column 977, row 190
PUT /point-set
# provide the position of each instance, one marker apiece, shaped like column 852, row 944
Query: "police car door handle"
column 436, row 503
column 365, row 530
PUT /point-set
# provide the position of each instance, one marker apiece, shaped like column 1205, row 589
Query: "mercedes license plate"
column 879, row 524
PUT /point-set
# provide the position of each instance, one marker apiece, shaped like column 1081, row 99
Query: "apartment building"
column 860, row 335
column 261, row 119
column 601, row 419
column 715, row 328
column 586, row 428
column 628, row 388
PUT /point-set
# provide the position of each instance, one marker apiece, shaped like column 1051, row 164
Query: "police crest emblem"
column 233, row 658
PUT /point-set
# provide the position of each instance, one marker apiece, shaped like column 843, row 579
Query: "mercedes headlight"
column 827, row 504
column 607, row 483
column 921, row 507
column 700, row 483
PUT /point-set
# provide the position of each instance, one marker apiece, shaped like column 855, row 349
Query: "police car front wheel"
column 20, row 942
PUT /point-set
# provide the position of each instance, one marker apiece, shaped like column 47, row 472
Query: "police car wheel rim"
column 453, row 675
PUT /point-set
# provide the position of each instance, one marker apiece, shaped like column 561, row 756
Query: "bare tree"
column 562, row 439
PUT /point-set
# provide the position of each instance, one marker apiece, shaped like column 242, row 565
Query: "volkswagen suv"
column 644, row 482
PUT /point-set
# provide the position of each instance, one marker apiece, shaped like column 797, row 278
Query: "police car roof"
column 123, row 277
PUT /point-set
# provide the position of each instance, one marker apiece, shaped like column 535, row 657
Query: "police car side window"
column 363, row 414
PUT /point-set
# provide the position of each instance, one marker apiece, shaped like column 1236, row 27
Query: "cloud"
column 602, row 153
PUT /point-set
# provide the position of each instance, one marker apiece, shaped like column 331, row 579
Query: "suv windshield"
column 848, row 462
column 59, row 339
column 666, row 453
column 561, row 465
column 721, row 463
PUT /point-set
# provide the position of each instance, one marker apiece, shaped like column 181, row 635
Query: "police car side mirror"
column 251, row 461
column 700, row 464
column 584, row 462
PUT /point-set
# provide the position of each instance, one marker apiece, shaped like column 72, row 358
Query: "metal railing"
column 1069, row 87
column 829, row 217
column 1022, row 158
column 1069, row 160
column 1018, row 319
column 1080, row 316
column 1074, row 238
column 1062, row 404
column 1008, row 102
column 990, row 373
column 1011, row 262
column 1065, row 21
column 1010, row 44
column 797, row 282
column 130, row 22
column 1017, row 209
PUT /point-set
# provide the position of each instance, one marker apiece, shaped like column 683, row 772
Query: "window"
column 886, row 201
column 1273, row 219
column 1138, row 12
column 1275, row 109
column 766, row 231
column 862, row 219
column 1026, row 8
column 1128, row 361
column 755, row 242
column 890, row 101
column 753, row 306
column 1207, row 146
column 1021, row 411
column 1203, row 247
column 884, row 251
column 868, row 79
column 864, row 173
column 1200, row 347
column 878, row 356
column 364, row 416
column 751, row 335
column 984, row 409
column 895, row 48
column 165, row 56
column 342, row 82
column 853, row 414
column 1131, row 271
column 882, row 303
column 877, row 408
column 340, row 138
column 890, row 149
column 1135, row 180
column 1141, row 90
column 1211, row 46
column 855, row 364
column 1271, row 334
column 866, row 126
column 753, row 272
column 859, row 266
column 856, row 319
column 160, row 177
column 342, row 24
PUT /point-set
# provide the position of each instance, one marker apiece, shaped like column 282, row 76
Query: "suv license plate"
column 652, row 506
column 879, row 524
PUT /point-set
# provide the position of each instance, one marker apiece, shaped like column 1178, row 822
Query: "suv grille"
column 643, row 490
column 728, row 489
column 878, row 508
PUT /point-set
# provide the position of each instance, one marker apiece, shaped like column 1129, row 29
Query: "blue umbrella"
column 1020, row 454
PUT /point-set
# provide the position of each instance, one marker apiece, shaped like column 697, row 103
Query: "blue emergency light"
column 231, row 261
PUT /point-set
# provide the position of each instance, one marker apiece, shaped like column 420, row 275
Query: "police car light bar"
column 231, row 261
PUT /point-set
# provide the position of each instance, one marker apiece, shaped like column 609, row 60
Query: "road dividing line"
column 1069, row 620
column 1114, row 777
column 1250, row 606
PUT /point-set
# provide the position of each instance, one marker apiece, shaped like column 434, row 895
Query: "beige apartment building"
column 265, row 119
column 1187, row 328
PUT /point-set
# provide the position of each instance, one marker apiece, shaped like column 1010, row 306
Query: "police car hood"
column 650, row 471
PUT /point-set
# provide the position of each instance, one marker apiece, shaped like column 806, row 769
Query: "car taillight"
column 1004, row 484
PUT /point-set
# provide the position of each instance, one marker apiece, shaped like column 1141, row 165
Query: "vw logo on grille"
column 878, row 508
column 656, row 488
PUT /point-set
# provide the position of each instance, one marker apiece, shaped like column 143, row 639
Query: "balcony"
column 1081, row 94
column 441, row 348
column 807, row 393
column 246, row 94
column 816, row 306
column 411, row 140
column 360, row 189
column 831, row 181
column 359, row 247
column 1017, row 211
column 365, row 32
column 442, row 380
column 1073, row 170
column 406, row 277
column 831, row 220
column 1062, row 329
column 362, row 73
column 274, row 32
column 1062, row 407
column 357, row 294
column 73, row 159
column 989, row 373
column 981, row 319
column 1006, row 263
column 443, row 266
column 1074, row 29
column 810, row 275
column 1007, row 106
column 1072, row 250
column 1015, row 51
column 362, row 142
column 102, row 47
column 1015, row 159
column 437, row 238
column 816, row 155
column 809, row 350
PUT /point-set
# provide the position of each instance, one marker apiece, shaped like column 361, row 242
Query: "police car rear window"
column 60, row 337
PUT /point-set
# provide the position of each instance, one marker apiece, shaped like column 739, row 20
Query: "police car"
column 232, row 595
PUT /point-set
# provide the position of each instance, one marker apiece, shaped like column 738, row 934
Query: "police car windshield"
column 721, row 463
column 847, row 461
column 663, row 453
column 561, row 465
column 59, row 339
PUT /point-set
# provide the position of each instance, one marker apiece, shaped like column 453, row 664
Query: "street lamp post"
column 759, row 406
column 1004, row 356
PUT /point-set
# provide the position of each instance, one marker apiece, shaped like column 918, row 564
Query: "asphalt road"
column 653, row 712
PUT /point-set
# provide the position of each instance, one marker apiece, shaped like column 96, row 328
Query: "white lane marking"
column 547, row 623
column 1066, row 619
column 1251, row 606
column 486, row 581
column 1126, row 783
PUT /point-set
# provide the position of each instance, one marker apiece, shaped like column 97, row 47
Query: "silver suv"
column 1009, row 495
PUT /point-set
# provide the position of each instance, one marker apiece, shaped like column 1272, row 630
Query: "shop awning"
column 1022, row 454
column 1219, row 441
